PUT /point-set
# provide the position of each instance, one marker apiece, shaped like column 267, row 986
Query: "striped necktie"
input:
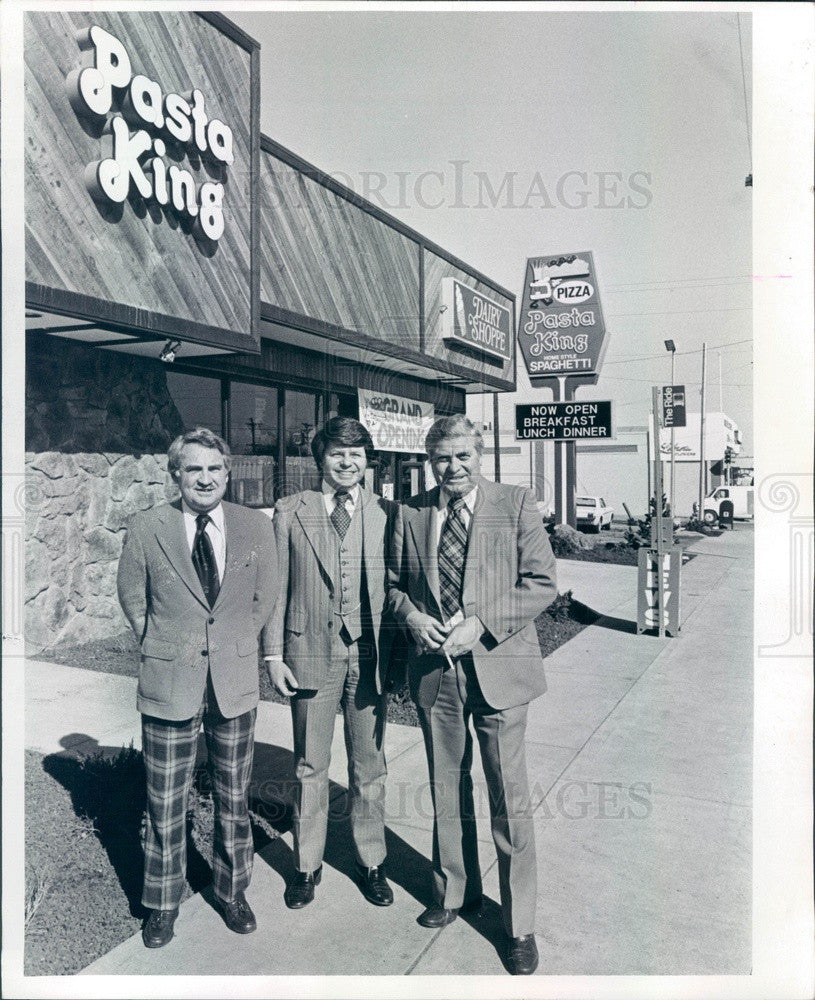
column 452, row 549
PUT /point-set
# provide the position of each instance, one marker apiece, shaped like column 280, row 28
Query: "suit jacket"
column 181, row 638
column 509, row 578
column 301, row 628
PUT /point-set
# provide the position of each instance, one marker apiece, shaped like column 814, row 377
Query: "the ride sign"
column 561, row 329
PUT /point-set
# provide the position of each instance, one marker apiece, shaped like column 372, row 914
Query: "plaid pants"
column 169, row 750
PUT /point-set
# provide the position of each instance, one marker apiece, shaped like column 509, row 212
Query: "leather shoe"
column 522, row 955
column 158, row 928
column 438, row 916
column 300, row 891
column 374, row 885
column 238, row 915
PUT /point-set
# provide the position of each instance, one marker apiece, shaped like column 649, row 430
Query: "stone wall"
column 97, row 428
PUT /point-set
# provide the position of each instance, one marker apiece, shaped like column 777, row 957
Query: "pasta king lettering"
column 137, row 158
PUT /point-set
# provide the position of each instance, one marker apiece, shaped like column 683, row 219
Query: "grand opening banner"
column 395, row 423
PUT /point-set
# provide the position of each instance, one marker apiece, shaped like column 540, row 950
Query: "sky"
column 501, row 135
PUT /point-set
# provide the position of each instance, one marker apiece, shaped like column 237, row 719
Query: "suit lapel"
column 172, row 538
column 373, row 525
column 484, row 518
column 424, row 536
column 237, row 551
column 313, row 518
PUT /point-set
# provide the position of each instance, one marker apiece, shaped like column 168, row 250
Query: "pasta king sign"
column 561, row 330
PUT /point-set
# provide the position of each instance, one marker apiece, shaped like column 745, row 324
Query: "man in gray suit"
column 197, row 581
column 472, row 568
column 331, row 639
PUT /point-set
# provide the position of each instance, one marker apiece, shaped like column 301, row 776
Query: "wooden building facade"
column 183, row 269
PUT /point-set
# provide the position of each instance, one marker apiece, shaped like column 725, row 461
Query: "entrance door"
column 411, row 478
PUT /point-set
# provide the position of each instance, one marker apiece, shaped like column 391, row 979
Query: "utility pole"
column 702, row 471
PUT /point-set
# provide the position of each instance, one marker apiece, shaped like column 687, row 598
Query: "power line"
column 647, row 357
column 744, row 89
column 690, row 283
column 685, row 312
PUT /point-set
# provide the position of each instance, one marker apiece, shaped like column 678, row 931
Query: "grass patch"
column 83, row 858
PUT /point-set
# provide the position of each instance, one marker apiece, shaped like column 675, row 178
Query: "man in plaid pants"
column 197, row 581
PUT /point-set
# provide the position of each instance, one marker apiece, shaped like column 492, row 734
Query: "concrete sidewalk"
column 640, row 760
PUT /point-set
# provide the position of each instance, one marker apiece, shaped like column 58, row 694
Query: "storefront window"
column 304, row 417
column 197, row 399
column 254, row 443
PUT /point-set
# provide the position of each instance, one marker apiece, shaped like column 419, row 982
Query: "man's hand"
column 463, row 637
column 283, row 680
column 427, row 633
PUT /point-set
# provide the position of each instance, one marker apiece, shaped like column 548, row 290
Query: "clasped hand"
column 434, row 636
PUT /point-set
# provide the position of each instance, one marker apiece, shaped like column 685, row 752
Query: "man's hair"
column 458, row 425
column 345, row 431
column 198, row 435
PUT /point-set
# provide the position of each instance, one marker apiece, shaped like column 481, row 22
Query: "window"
column 197, row 399
column 253, row 438
column 304, row 417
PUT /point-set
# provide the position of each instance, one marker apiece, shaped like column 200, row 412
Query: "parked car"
column 741, row 497
column 593, row 513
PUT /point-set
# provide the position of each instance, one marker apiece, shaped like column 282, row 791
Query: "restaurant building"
column 183, row 269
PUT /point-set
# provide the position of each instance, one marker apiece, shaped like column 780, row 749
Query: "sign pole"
column 570, row 449
column 702, row 476
column 673, row 456
column 656, row 521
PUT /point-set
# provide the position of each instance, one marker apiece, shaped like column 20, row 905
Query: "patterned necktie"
column 340, row 517
column 203, row 558
column 452, row 549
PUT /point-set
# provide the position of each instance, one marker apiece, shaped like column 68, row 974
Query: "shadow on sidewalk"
column 107, row 786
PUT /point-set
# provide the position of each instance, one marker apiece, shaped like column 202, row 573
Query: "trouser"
column 449, row 745
column 169, row 750
column 350, row 684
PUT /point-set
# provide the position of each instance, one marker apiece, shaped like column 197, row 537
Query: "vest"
column 351, row 603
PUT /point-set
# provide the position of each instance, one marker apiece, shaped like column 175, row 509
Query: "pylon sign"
column 561, row 329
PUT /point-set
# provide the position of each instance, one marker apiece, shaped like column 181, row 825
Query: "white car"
column 593, row 513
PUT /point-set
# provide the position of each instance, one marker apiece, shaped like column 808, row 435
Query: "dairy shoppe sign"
column 473, row 320
column 395, row 423
column 561, row 329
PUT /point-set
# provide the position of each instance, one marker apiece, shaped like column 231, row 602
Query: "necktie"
column 452, row 549
column 203, row 558
column 340, row 517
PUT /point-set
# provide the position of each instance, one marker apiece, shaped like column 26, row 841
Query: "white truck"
column 742, row 498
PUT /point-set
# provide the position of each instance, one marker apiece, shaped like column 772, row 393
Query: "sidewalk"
column 640, row 760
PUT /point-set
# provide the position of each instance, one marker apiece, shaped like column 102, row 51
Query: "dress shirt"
column 216, row 532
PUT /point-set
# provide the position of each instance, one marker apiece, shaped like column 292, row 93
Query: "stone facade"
column 97, row 428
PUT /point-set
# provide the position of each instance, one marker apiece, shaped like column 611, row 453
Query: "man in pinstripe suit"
column 197, row 581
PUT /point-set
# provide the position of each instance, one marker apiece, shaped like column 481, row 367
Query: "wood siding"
column 146, row 264
column 324, row 258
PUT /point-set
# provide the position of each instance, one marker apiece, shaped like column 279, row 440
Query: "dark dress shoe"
column 374, row 885
column 522, row 955
column 238, row 915
column 437, row 916
column 300, row 891
column 158, row 928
